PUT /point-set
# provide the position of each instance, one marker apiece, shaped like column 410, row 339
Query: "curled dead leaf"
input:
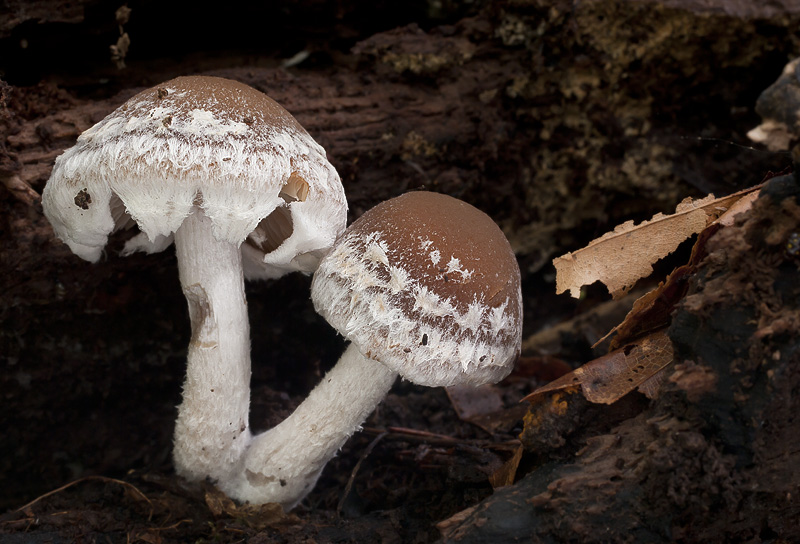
column 506, row 474
column 653, row 310
column 621, row 257
column 608, row 378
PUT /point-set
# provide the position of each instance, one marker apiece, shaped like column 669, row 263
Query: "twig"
column 85, row 479
column 352, row 478
column 415, row 435
column 173, row 526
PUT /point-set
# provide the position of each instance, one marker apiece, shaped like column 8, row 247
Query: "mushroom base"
column 283, row 464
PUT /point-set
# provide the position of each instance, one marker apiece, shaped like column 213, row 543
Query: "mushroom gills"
column 122, row 219
column 295, row 188
column 274, row 229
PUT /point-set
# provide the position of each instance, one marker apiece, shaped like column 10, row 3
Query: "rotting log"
column 712, row 458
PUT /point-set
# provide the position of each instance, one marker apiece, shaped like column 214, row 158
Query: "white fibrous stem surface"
column 364, row 289
column 283, row 464
column 212, row 430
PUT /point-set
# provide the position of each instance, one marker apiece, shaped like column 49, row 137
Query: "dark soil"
column 560, row 120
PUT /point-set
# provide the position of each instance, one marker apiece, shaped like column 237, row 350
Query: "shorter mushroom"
column 424, row 286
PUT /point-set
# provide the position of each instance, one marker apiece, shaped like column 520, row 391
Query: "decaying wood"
column 707, row 444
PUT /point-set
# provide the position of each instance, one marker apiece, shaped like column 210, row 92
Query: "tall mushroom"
column 229, row 174
column 424, row 286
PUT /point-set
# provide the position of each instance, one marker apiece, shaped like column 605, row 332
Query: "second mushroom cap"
column 429, row 286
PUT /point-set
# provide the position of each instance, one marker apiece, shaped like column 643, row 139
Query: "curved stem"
column 212, row 430
column 283, row 464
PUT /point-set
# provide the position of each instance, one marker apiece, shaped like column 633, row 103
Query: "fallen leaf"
column 653, row 310
column 621, row 257
column 506, row 474
column 610, row 377
column 219, row 503
column 483, row 407
column 740, row 206
column 652, row 385
column 470, row 401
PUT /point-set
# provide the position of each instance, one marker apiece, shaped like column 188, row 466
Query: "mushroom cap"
column 205, row 141
column 427, row 285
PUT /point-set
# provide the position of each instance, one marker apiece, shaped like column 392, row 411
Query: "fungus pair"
column 424, row 285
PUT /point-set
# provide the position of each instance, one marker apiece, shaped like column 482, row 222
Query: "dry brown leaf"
column 621, row 257
column 653, row 310
column 608, row 378
column 219, row 503
column 506, row 474
column 483, row 407
column 652, row 385
column 470, row 401
column 741, row 205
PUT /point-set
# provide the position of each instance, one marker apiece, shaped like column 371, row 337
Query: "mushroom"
column 239, row 184
column 425, row 286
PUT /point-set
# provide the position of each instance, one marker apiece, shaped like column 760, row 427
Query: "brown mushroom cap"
column 429, row 286
column 208, row 141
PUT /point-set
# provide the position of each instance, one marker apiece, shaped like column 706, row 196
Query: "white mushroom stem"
column 283, row 464
column 212, row 429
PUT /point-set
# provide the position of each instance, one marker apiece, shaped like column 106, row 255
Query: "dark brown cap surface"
column 429, row 286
